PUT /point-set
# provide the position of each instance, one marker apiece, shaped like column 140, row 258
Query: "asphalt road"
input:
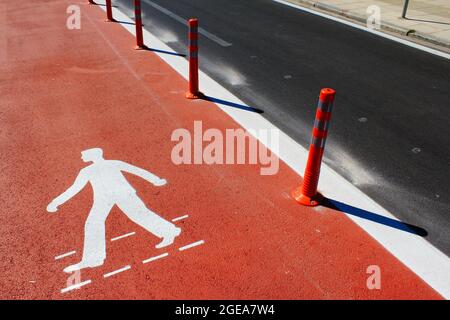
column 390, row 131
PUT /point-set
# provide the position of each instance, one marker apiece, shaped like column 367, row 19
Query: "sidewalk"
column 426, row 20
column 63, row 91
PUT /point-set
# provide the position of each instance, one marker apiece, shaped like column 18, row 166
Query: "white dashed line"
column 155, row 258
column 192, row 245
column 123, row 236
column 76, row 286
column 183, row 21
column 65, row 255
column 180, row 218
column 106, row 275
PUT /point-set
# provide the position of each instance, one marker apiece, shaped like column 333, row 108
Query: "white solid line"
column 123, row 236
column 183, row 21
column 76, row 286
column 155, row 258
column 416, row 253
column 180, row 218
column 360, row 27
column 198, row 243
column 106, row 275
column 65, row 255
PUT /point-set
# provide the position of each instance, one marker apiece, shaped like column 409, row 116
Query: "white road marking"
column 155, row 258
column 103, row 174
column 76, row 286
column 198, row 243
column 123, row 236
column 65, row 255
column 183, row 21
column 106, row 275
column 373, row 31
column 180, row 218
column 416, row 253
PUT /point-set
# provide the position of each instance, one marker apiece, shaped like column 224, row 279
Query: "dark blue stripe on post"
column 325, row 106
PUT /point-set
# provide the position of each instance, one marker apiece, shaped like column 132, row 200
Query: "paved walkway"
column 243, row 237
column 425, row 19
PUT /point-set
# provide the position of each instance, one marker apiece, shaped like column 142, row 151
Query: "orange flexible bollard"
column 138, row 23
column 109, row 15
column 306, row 194
column 193, row 92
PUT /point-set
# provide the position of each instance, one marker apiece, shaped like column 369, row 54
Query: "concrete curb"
column 410, row 33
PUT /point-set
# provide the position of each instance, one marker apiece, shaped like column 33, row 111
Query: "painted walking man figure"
column 111, row 188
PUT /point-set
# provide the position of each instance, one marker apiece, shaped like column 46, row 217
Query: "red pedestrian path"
column 63, row 91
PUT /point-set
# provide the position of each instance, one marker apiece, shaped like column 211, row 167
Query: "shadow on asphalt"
column 104, row 5
column 166, row 52
column 357, row 212
column 124, row 22
column 232, row 104
column 429, row 21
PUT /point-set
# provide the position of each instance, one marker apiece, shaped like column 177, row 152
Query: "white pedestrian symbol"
column 111, row 188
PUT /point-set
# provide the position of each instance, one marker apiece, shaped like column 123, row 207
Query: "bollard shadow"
column 124, row 22
column 104, row 5
column 164, row 52
column 232, row 104
column 167, row 52
column 429, row 21
column 361, row 213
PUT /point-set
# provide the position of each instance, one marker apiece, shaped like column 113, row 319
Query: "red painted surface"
column 63, row 91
